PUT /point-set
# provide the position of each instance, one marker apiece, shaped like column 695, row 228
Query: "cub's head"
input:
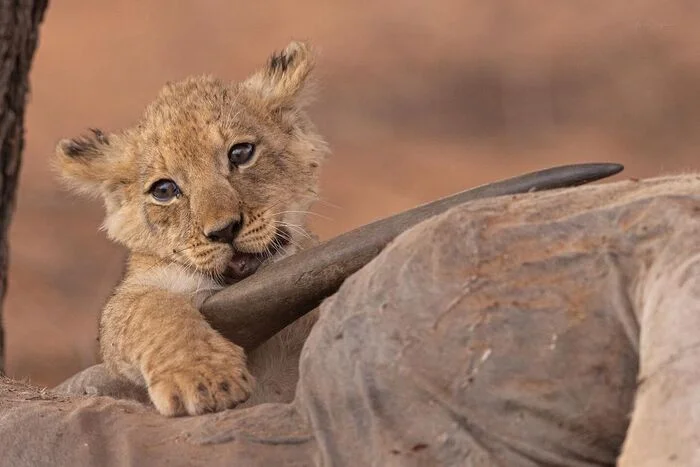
column 214, row 174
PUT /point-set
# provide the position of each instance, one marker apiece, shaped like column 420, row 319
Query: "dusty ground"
column 419, row 100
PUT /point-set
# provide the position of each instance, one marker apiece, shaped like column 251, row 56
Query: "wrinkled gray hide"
column 511, row 331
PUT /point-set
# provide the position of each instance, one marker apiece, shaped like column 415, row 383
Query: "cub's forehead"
column 200, row 111
column 191, row 124
column 199, row 100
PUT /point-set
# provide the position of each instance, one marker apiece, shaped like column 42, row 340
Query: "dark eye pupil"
column 241, row 153
column 164, row 190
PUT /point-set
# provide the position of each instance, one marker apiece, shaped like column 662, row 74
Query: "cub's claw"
column 204, row 385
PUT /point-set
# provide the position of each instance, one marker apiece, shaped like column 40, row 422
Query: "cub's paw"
column 210, row 383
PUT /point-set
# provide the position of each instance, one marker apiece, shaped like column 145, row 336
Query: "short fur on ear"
column 88, row 162
column 282, row 82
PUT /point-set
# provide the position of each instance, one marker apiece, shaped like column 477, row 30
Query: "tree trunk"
column 19, row 27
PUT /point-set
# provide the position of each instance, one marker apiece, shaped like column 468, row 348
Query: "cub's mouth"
column 243, row 265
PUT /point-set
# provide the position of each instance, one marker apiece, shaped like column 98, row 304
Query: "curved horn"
column 256, row 308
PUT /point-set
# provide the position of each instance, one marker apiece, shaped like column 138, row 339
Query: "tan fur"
column 151, row 330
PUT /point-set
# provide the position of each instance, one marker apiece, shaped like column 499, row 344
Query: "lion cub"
column 213, row 180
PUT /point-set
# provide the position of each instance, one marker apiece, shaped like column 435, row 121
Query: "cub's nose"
column 226, row 234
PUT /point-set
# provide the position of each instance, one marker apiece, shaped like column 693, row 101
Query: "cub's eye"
column 241, row 153
column 164, row 190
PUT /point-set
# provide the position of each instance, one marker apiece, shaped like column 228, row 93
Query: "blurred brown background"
column 419, row 100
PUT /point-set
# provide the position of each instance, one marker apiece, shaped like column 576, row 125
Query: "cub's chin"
column 243, row 265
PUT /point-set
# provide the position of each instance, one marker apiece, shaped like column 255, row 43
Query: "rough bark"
column 19, row 30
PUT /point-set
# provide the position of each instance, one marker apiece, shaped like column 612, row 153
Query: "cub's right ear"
column 283, row 81
column 87, row 163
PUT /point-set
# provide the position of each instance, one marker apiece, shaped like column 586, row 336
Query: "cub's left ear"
column 88, row 163
column 283, row 82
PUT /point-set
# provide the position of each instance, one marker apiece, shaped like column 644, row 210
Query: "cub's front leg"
column 159, row 338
